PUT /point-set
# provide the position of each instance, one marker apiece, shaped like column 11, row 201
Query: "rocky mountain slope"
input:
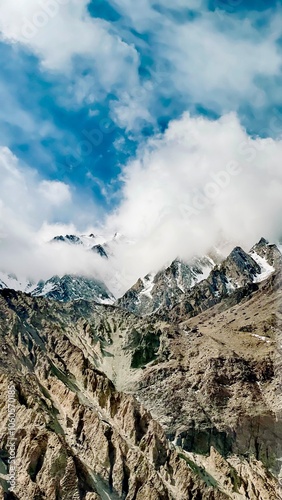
column 65, row 288
column 78, row 437
column 178, row 404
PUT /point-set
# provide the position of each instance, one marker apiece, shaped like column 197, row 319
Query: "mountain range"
column 217, row 275
column 169, row 392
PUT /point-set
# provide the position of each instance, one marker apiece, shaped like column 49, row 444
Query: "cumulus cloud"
column 26, row 201
column 203, row 182
column 55, row 192
column 200, row 184
column 25, row 196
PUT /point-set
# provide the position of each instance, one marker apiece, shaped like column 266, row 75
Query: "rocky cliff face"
column 110, row 405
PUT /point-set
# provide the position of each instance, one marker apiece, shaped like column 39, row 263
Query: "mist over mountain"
column 231, row 196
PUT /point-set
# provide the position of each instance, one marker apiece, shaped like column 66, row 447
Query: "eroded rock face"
column 111, row 405
column 76, row 435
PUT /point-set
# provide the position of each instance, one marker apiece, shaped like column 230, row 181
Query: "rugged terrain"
column 181, row 403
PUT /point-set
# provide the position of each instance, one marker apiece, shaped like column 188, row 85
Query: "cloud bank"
column 201, row 183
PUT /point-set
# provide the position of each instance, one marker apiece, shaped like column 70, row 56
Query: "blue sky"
column 121, row 96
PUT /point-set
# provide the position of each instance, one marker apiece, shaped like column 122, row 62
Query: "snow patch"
column 48, row 287
column 230, row 286
column 260, row 337
column 148, row 283
column 206, row 270
column 266, row 268
column 92, row 240
column 178, row 278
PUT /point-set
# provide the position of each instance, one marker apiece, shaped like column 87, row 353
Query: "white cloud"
column 201, row 183
column 32, row 212
column 130, row 111
column 26, row 200
column 220, row 68
column 218, row 61
column 57, row 31
column 55, row 192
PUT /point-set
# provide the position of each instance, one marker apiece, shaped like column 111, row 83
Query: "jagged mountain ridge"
column 70, row 286
column 207, row 282
column 92, row 242
column 164, row 289
column 102, row 245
